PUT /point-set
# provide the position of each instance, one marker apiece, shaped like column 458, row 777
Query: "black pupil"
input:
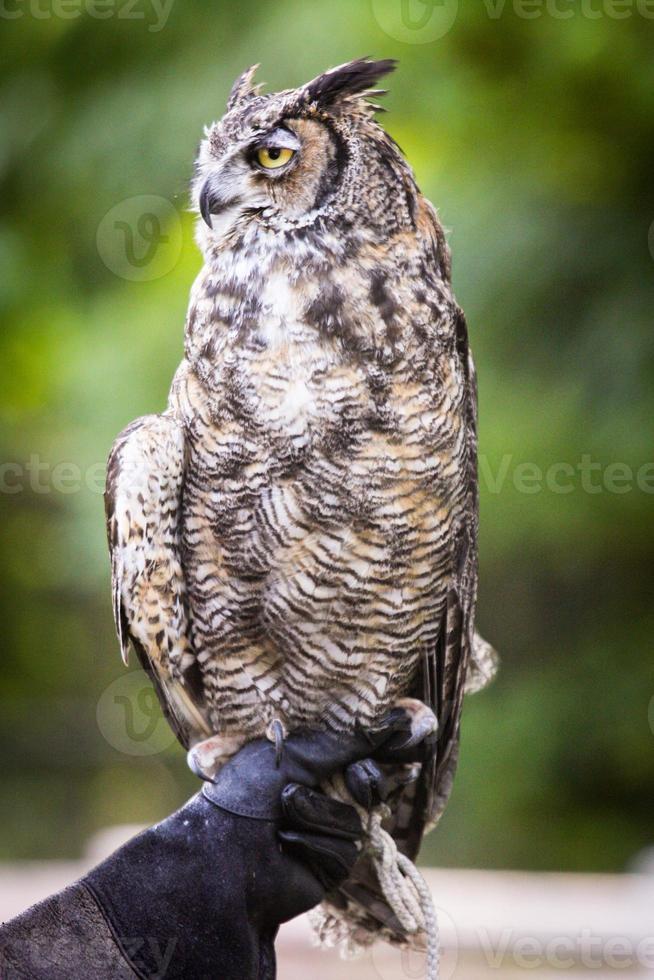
column 274, row 153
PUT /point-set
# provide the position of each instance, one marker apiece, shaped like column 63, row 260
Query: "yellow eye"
column 273, row 157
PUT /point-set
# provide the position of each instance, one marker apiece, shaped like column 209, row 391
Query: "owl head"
column 287, row 160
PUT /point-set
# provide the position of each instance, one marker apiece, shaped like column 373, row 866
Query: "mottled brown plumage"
column 295, row 538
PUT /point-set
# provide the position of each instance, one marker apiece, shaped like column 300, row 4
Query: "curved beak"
column 212, row 202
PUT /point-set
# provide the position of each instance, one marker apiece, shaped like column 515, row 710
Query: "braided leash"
column 404, row 887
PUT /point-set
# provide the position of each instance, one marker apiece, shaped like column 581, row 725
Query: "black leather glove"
column 202, row 894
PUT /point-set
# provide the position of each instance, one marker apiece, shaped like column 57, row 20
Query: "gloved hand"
column 204, row 892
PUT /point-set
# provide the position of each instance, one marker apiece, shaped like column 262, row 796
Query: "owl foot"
column 206, row 758
column 416, row 725
column 276, row 733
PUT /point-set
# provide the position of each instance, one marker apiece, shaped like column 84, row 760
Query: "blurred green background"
column 533, row 135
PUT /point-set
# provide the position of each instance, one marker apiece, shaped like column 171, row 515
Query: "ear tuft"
column 349, row 79
column 243, row 87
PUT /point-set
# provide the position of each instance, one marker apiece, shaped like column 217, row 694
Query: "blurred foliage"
column 534, row 138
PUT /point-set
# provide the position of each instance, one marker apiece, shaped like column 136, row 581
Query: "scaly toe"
column 421, row 724
column 206, row 758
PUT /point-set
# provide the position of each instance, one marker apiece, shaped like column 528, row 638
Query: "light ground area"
column 493, row 924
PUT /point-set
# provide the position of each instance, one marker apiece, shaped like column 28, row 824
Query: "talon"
column 277, row 733
column 194, row 764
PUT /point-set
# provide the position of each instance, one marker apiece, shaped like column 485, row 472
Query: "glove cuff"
column 244, row 786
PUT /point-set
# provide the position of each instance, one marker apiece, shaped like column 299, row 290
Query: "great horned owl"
column 294, row 540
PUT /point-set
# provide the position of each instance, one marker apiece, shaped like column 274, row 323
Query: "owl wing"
column 441, row 680
column 145, row 476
